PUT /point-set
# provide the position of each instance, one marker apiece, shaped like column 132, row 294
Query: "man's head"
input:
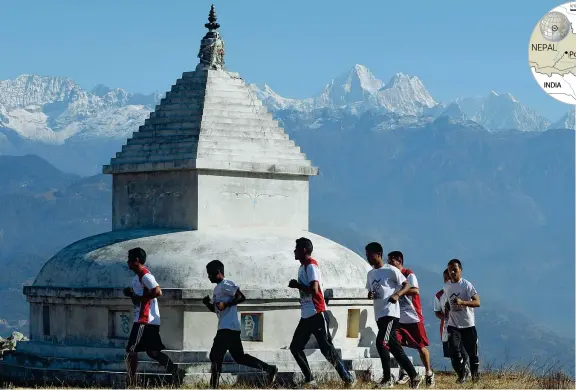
column 374, row 253
column 455, row 270
column 136, row 259
column 396, row 259
column 303, row 249
column 215, row 270
column 446, row 275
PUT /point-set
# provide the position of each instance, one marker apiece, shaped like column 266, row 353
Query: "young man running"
column 386, row 285
column 145, row 334
column 440, row 309
column 462, row 299
column 411, row 332
column 226, row 297
column 313, row 320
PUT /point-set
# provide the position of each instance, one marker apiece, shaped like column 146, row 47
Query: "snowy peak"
column 366, row 79
column 399, row 79
column 568, row 121
column 359, row 90
column 53, row 109
column 404, row 95
column 502, row 111
column 274, row 101
column 351, row 87
column 453, row 110
column 27, row 90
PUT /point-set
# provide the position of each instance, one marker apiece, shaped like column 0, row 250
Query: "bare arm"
column 439, row 315
column 413, row 291
column 475, row 302
column 405, row 288
column 209, row 304
column 312, row 289
column 147, row 295
column 238, row 298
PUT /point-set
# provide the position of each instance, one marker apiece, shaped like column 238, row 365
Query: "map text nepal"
column 552, row 53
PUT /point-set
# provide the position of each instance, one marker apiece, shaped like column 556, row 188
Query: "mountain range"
column 55, row 110
column 484, row 179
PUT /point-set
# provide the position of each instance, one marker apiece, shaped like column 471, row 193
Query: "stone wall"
column 194, row 199
column 69, row 317
column 155, row 199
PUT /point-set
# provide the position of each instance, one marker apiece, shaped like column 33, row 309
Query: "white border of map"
column 566, row 94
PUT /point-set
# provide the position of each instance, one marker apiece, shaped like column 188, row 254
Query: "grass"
column 532, row 376
column 503, row 379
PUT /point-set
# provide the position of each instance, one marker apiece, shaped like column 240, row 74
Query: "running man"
column 462, row 299
column 411, row 332
column 440, row 306
column 386, row 285
column 313, row 320
column 145, row 334
column 224, row 303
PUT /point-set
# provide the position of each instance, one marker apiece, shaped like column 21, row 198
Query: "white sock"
column 429, row 372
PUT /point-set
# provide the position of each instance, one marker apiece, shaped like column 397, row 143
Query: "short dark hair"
column 445, row 273
column 374, row 247
column 215, row 266
column 457, row 262
column 305, row 243
column 397, row 255
column 137, row 254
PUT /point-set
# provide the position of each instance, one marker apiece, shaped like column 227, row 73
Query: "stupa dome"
column 255, row 258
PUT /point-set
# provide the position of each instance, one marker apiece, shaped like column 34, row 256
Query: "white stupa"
column 210, row 175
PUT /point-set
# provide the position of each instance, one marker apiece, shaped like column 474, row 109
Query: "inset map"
column 552, row 53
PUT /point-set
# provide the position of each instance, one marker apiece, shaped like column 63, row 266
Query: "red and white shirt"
column 311, row 304
column 146, row 312
column 439, row 307
column 410, row 305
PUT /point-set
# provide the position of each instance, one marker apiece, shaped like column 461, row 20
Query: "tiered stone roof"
column 211, row 119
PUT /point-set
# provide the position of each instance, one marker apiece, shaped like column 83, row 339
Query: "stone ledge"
column 177, row 294
column 189, row 164
column 108, row 352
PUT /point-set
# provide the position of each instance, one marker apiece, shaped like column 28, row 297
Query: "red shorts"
column 412, row 335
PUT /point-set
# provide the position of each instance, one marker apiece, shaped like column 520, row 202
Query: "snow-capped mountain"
column 358, row 90
column 568, row 121
column 501, row 111
column 53, row 109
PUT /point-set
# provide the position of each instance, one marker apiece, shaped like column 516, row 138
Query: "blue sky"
column 457, row 48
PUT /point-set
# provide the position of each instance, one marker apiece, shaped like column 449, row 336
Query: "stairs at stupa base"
column 24, row 369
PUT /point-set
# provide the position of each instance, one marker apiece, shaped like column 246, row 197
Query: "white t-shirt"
column 224, row 292
column 145, row 312
column 384, row 282
column 439, row 305
column 460, row 316
column 310, row 304
column 408, row 312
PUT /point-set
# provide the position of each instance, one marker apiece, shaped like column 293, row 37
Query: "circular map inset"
column 554, row 26
column 552, row 53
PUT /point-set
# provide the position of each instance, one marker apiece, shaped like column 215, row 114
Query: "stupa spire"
column 211, row 52
column 212, row 25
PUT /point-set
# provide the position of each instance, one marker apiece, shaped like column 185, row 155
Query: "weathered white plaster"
column 255, row 258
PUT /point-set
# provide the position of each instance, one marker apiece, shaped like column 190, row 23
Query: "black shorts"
column 144, row 337
column 226, row 340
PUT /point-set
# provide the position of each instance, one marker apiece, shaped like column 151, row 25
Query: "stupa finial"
column 212, row 25
column 211, row 52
